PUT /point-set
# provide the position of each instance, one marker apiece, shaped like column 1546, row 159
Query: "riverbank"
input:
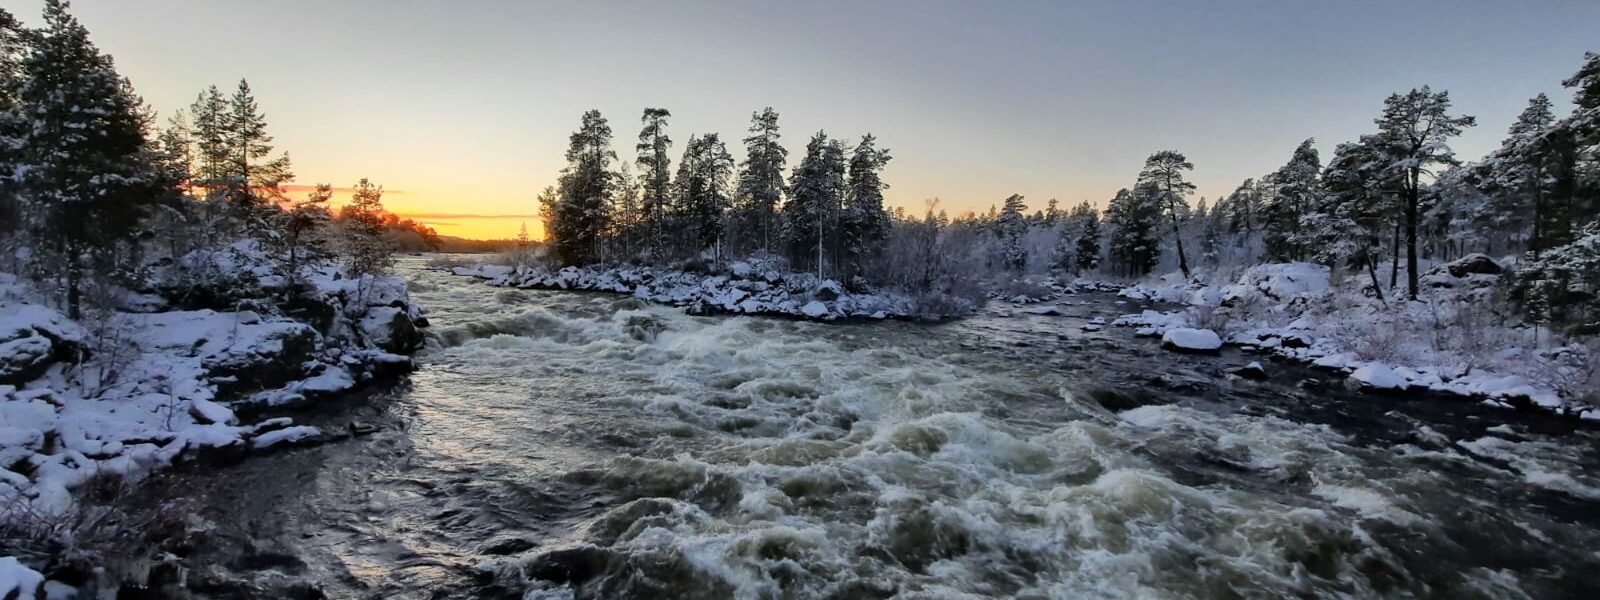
column 1451, row 341
column 174, row 373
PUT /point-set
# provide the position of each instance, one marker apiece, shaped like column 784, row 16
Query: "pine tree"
column 83, row 167
column 816, row 190
column 703, row 192
column 1244, row 207
column 1347, row 223
column 1163, row 177
column 1416, row 126
column 1295, row 189
column 1010, row 227
column 302, row 224
column 761, row 178
column 655, row 178
column 581, row 214
column 865, row 223
column 211, row 137
column 366, row 248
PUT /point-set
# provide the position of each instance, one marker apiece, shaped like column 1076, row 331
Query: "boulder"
column 1375, row 378
column 1252, row 371
column 26, row 352
column 1192, row 341
column 1474, row 264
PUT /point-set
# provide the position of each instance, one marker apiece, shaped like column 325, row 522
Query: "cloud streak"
column 451, row 216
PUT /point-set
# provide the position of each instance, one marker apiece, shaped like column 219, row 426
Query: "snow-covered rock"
column 748, row 289
column 17, row 581
column 1254, row 370
column 1277, row 281
column 1200, row 341
column 1377, row 377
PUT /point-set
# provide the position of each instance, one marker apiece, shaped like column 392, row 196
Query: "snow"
column 158, row 386
column 1381, row 377
column 747, row 288
column 288, row 435
column 1294, row 311
column 1198, row 340
column 19, row 580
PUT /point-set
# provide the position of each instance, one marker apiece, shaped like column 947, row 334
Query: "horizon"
column 1044, row 101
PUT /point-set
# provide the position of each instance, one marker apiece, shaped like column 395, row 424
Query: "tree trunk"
column 1394, row 262
column 1372, row 271
column 1183, row 260
column 1411, row 233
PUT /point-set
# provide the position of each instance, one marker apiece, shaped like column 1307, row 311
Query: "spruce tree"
column 1416, row 126
column 761, row 185
column 1086, row 255
column 247, row 141
column 581, row 213
column 1162, row 176
column 82, row 167
column 1347, row 223
column 1134, row 217
column 865, row 223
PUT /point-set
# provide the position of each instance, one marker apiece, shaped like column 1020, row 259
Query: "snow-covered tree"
column 703, row 192
column 655, row 179
column 761, row 181
column 363, row 240
column 1162, row 176
column 1009, row 228
column 864, row 223
column 1416, row 127
column 1346, row 224
column 581, row 215
column 1086, row 250
column 1296, row 188
column 1134, row 217
column 816, row 191
column 82, row 165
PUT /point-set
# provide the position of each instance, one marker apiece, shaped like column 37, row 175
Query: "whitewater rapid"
column 577, row 445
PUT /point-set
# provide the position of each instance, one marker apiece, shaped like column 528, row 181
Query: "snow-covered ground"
column 125, row 391
column 746, row 289
column 1450, row 341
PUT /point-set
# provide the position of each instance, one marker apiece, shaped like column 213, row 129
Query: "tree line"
column 832, row 216
column 92, row 193
column 1380, row 206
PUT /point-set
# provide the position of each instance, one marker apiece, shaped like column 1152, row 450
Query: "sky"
column 462, row 109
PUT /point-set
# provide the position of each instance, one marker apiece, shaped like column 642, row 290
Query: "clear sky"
column 464, row 107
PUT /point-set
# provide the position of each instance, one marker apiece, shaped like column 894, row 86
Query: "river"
column 579, row 445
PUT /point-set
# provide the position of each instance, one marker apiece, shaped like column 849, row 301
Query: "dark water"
column 564, row 445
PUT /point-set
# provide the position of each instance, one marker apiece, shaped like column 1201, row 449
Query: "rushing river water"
column 572, row 445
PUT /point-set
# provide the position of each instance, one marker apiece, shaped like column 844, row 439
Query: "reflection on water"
column 565, row 445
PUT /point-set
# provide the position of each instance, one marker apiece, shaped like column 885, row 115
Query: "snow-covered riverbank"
column 746, row 289
column 153, row 379
column 1450, row 341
